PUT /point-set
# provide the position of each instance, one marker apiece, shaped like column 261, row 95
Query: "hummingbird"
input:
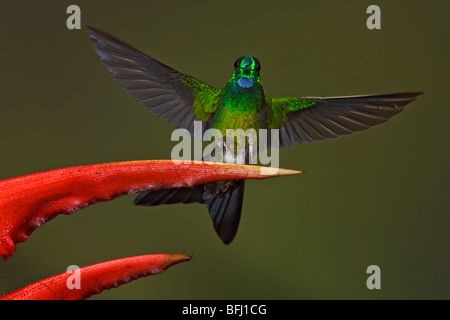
column 242, row 103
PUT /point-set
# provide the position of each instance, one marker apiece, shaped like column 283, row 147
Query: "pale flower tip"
column 276, row 172
column 172, row 259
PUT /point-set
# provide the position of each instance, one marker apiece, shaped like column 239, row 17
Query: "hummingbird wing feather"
column 166, row 92
column 310, row 119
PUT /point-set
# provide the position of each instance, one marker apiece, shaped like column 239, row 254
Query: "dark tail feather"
column 224, row 207
column 170, row 196
column 225, row 210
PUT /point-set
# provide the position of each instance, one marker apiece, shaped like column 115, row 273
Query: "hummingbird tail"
column 224, row 206
column 225, row 210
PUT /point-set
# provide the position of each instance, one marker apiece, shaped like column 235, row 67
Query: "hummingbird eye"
column 236, row 64
column 258, row 67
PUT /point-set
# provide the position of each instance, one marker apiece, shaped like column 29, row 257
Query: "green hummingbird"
column 182, row 99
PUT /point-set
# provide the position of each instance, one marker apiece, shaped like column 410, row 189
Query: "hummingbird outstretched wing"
column 310, row 119
column 165, row 92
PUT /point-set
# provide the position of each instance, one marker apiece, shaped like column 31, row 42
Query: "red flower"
column 29, row 201
column 87, row 281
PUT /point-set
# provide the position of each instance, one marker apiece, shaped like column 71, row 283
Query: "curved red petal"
column 95, row 278
column 29, row 201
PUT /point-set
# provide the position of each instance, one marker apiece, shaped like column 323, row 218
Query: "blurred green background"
column 377, row 197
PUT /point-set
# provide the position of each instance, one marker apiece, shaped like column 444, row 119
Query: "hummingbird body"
column 240, row 108
column 241, row 104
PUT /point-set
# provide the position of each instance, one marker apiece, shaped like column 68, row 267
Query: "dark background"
column 377, row 197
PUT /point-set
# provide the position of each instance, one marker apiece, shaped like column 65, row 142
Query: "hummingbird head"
column 246, row 71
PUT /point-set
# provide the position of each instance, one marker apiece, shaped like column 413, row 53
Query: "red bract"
column 95, row 278
column 29, row 201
